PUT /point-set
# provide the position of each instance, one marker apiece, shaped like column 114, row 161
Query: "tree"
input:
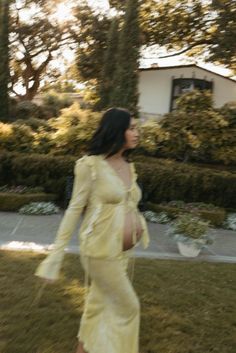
column 194, row 27
column 125, row 92
column 109, row 63
column 34, row 42
column 196, row 131
column 4, row 59
column 91, row 38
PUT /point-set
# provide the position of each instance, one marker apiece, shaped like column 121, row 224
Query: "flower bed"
column 39, row 208
column 20, row 189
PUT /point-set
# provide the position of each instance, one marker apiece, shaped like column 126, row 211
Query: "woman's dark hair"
column 109, row 137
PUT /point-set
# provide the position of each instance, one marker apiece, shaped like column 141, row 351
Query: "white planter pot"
column 188, row 250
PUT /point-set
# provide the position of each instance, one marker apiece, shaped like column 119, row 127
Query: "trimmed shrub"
column 52, row 103
column 165, row 180
column 161, row 180
column 14, row 201
column 45, row 171
column 195, row 101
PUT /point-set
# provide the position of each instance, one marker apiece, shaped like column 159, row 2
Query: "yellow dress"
column 110, row 322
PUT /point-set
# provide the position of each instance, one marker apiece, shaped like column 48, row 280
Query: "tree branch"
column 186, row 49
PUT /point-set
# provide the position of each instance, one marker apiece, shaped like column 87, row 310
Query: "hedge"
column 47, row 171
column 13, row 201
column 162, row 180
column 165, row 180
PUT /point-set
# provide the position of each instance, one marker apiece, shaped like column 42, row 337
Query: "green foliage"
column 14, row 201
column 91, row 37
column 26, row 109
column 109, row 65
column 165, row 180
column 187, row 183
column 228, row 110
column 190, row 226
column 192, row 27
column 125, row 91
column 52, row 104
column 194, row 132
column 190, row 229
column 35, row 42
column 74, row 128
column 14, row 137
column 151, row 136
column 4, row 60
column 36, row 170
column 35, row 124
column 68, row 133
column 20, row 189
column 195, row 101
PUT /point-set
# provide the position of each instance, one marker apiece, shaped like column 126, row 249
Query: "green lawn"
column 187, row 307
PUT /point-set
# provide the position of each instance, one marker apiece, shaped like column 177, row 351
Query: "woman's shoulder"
column 90, row 161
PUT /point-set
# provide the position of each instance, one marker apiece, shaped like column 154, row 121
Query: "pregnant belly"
column 132, row 223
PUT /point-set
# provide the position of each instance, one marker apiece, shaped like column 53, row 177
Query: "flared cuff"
column 48, row 269
column 145, row 235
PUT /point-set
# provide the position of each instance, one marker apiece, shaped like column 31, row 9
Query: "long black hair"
column 109, row 137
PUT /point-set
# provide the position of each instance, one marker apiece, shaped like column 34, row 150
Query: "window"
column 183, row 85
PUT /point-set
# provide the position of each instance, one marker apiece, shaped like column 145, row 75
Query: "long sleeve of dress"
column 50, row 267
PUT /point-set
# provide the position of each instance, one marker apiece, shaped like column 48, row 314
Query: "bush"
column 74, row 128
column 67, row 134
column 14, row 137
column 228, row 110
column 52, row 104
column 194, row 132
column 37, row 170
column 26, row 109
column 195, row 101
column 165, row 180
column 14, row 201
column 161, row 180
column 34, row 124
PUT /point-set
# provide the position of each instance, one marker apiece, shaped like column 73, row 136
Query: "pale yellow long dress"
column 110, row 322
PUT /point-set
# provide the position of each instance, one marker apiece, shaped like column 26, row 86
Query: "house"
column 159, row 87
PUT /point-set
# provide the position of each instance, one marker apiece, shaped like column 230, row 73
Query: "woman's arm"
column 50, row 267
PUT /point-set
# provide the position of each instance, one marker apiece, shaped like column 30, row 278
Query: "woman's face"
column 131, row 135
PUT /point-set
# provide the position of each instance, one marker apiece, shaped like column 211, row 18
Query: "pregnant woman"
column 106, row 193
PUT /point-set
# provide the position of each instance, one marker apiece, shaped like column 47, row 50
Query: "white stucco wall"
column 155, row 87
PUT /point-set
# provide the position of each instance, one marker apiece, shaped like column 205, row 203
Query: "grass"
column 187, row 307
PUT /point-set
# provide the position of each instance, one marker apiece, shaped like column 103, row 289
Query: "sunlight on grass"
column 186, row 307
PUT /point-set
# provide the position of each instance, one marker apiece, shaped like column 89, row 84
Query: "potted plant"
column 191, row 234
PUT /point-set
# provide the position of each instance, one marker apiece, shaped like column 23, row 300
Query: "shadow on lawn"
column 186, row 307
column 50, row 325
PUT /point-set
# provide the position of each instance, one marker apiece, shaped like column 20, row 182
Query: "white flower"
column 39, row 208
column 230, row 222
column 154, row 217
